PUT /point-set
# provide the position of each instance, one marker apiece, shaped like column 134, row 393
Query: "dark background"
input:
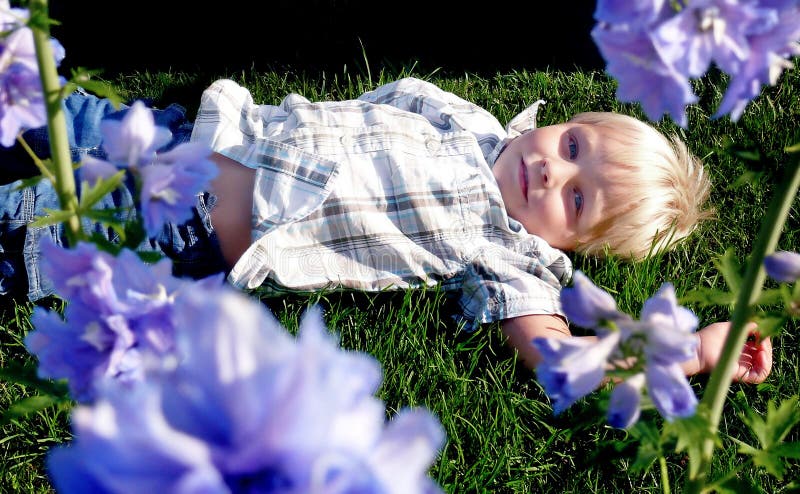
column 331, row 35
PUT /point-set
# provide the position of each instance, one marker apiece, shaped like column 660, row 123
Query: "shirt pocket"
column 290, row 184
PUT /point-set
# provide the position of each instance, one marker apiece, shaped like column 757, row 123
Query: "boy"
column 410, row 185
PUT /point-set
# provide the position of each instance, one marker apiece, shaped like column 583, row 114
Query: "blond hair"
column 658, row 189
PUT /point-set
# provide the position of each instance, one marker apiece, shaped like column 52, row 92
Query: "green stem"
column 722, row 375
column 665, row 488
column 64, row 182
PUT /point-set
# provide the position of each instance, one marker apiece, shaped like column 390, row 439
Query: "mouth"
column 523, row 180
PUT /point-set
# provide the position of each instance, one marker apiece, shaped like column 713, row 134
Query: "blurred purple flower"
column 169, row 181
column 769, row 52
column 708, row 31
column 571, row 368
column 633, row 12
column 783, row 266
column 247, row 408
column 587, row 305
column 625, row 404
column 670, row 391
column 171, row 184
column 93, row 169
column 117, row 307
column 83, row 348
column 668, row 328
column 653, row 48
column 641, row 74
column 133, row 141
column 21, row 97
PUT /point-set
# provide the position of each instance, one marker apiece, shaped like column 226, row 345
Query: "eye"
column 572, row 145
column 578, row 195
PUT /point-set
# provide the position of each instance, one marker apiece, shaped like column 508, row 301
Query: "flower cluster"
column 118, row 307
column 648, row 352
column 22, row 103
column 245, row 407
column 654, row 47
column 168, row 182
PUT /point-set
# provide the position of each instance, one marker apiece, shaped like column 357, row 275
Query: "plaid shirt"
column 389, row 191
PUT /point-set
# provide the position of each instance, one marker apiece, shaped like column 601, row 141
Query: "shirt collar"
column 524, row 121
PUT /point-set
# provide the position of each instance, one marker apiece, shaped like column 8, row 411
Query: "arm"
column 755, row 362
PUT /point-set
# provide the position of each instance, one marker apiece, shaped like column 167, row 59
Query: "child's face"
column 552, row 181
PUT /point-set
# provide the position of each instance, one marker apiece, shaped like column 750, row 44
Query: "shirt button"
column 432, row 145
column 346, row 140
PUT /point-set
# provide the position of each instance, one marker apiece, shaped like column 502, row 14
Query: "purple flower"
column 117, row 307
column 587, row 305
column 653, row 48
column 571, row 368
column 769, row 52
column 133, row 141
column 633, row 12
column 244, row 407
column 21, row 96
column 171, row 184
column 670, row 391
column 783, row 266
column 169, row 181
column 642, row 75
column 625, row 405
column 706, row 31
column 83, row 348
column 93, row 169
column 668, row 328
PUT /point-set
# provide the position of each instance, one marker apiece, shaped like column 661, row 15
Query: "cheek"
column 552, row 211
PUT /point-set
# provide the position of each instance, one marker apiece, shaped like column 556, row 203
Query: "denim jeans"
column 192, row 246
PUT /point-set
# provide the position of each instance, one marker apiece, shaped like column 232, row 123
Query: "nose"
column 554, row 173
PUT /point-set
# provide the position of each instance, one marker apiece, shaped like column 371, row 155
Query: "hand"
column 755, row 361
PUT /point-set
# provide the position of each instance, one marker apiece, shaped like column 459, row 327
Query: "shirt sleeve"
column 230, row 122
column 500, row 283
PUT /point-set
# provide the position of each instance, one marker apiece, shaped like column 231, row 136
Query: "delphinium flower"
column 661, row 339
column 117, row 307
column 571, row 368
column 647, row 353
column 653, row 48
column 245, row 407
column 783, row 266
column 168, row 181
column 22, row 104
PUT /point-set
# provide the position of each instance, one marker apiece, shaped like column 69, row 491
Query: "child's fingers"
column 755, row 361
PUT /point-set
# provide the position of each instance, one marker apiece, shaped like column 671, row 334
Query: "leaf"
column 779, row 421
column 26, row 375
column 769, row 325
column 30, row 182
column 83, row 78
column 770, row 296
column 27, row 406
column 691, row 433
column 649, row 449
column 770, row 433
column 92, row 194
column 52, row 217
column 731, row 270
column 735, row 485
column 749, row 177
column 150, row 257
column 705, row 296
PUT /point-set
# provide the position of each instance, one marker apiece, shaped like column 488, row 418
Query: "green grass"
column 502, row 435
